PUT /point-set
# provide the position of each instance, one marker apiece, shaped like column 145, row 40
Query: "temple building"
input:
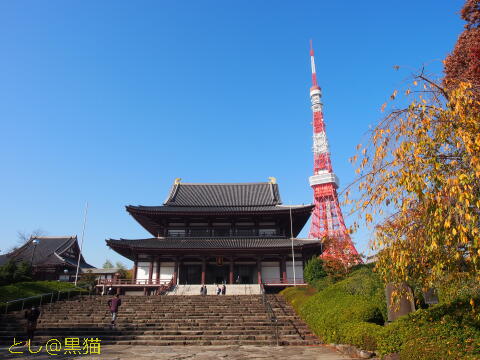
column 220, row 233
column 51, row 257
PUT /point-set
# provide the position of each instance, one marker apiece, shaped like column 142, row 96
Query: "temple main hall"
column 231, row 233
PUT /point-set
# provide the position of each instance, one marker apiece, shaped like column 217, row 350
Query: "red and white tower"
column 327, row 218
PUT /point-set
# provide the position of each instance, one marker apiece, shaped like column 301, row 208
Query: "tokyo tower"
column 327, row 218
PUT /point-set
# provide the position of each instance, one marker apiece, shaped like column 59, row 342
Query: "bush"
column 296, row 296
column 314, row 270
column 341, row 311
column 13, row 272
column 446, row 331
column 362, row 334
column 352, row 310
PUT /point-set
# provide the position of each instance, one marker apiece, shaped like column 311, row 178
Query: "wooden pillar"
column 134, row 278
column 259, row 270
column 150, row 272
column 230, row 275
column 175, row 271
column 204, row 269
column 283, row 269
column 158, row 270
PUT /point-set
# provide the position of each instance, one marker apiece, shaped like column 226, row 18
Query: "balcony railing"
column 110, row 282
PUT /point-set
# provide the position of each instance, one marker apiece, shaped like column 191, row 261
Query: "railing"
column 132, row 282
column 283, row 281
column 49, row 298
column 167, row 287
column 270, row 312
column 163, row 285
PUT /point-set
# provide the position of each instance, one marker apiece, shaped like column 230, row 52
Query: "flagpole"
column 81, row 243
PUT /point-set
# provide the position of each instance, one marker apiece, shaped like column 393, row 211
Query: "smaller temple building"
column 233, row 233
column 51, row 257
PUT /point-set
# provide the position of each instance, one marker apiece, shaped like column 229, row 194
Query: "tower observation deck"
column 327, row 218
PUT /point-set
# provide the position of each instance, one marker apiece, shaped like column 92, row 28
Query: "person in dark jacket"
column 32, row 316
column 113, row 305
column 224, row 289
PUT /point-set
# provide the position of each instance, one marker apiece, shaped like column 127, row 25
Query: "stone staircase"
column 165, row 320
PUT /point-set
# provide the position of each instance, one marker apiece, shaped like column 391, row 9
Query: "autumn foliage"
column 420, row 179
column 463, row 64
column 419, row 174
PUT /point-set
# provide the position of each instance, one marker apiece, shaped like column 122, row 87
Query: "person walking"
column 113, row 305
column 219, row 291
column 32, row 316
column 224, row 289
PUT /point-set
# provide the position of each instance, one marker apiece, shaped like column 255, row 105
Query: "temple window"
column 176, row 232
column 267, row 232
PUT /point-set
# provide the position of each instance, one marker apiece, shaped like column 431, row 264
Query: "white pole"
column 81, row 244
column 293, row 253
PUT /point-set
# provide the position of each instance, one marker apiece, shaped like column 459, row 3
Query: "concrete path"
column 121, row 352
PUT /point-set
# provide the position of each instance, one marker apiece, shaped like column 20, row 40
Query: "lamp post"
column 35, row 243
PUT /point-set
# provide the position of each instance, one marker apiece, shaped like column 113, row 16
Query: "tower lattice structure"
column 327, row 218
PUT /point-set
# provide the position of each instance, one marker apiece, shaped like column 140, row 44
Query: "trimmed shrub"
column 352, row 310
column 362, row 334
column 296, row 296
column 340, row 311
column 446, row 331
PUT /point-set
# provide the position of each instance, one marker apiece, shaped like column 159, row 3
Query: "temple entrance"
column 245, row 274
column 217, row 274
column 190, row 274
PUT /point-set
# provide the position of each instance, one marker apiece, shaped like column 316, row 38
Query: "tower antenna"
column 327, row 217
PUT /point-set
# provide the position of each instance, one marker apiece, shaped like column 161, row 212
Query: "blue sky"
column 110, row 101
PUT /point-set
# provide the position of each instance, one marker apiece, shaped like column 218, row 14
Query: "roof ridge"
column 232, row 183
column 54, row 237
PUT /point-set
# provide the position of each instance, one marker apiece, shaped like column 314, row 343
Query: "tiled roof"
column 48, row 251
column 210, row 243
column 234, row 194
column 217, row 209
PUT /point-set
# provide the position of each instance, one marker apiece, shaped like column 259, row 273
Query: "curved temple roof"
column 227, row 194
column 128, row 247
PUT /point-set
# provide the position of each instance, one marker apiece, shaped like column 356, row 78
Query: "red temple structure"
column 235, row 233
column 327, row 218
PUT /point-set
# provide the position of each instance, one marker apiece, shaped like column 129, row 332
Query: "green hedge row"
column 353, row 311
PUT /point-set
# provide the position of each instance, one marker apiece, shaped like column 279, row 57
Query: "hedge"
column 352, row 311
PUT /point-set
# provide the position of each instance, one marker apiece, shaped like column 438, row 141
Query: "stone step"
column 166, row 320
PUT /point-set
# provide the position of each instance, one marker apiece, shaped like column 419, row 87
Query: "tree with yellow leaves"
column 419, row 183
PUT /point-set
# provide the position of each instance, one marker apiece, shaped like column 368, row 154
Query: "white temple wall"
column 298, row 271
column 166, row 271
column 270, row 271
column 143, row 268
column 155, row 265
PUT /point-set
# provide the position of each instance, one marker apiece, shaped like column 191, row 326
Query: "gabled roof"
column 128, row 248
column 227, row 194
column 49, row 251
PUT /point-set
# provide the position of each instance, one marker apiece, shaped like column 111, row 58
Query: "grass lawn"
column 31, row 288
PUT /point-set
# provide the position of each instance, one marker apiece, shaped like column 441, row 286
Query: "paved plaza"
column 117, row 352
